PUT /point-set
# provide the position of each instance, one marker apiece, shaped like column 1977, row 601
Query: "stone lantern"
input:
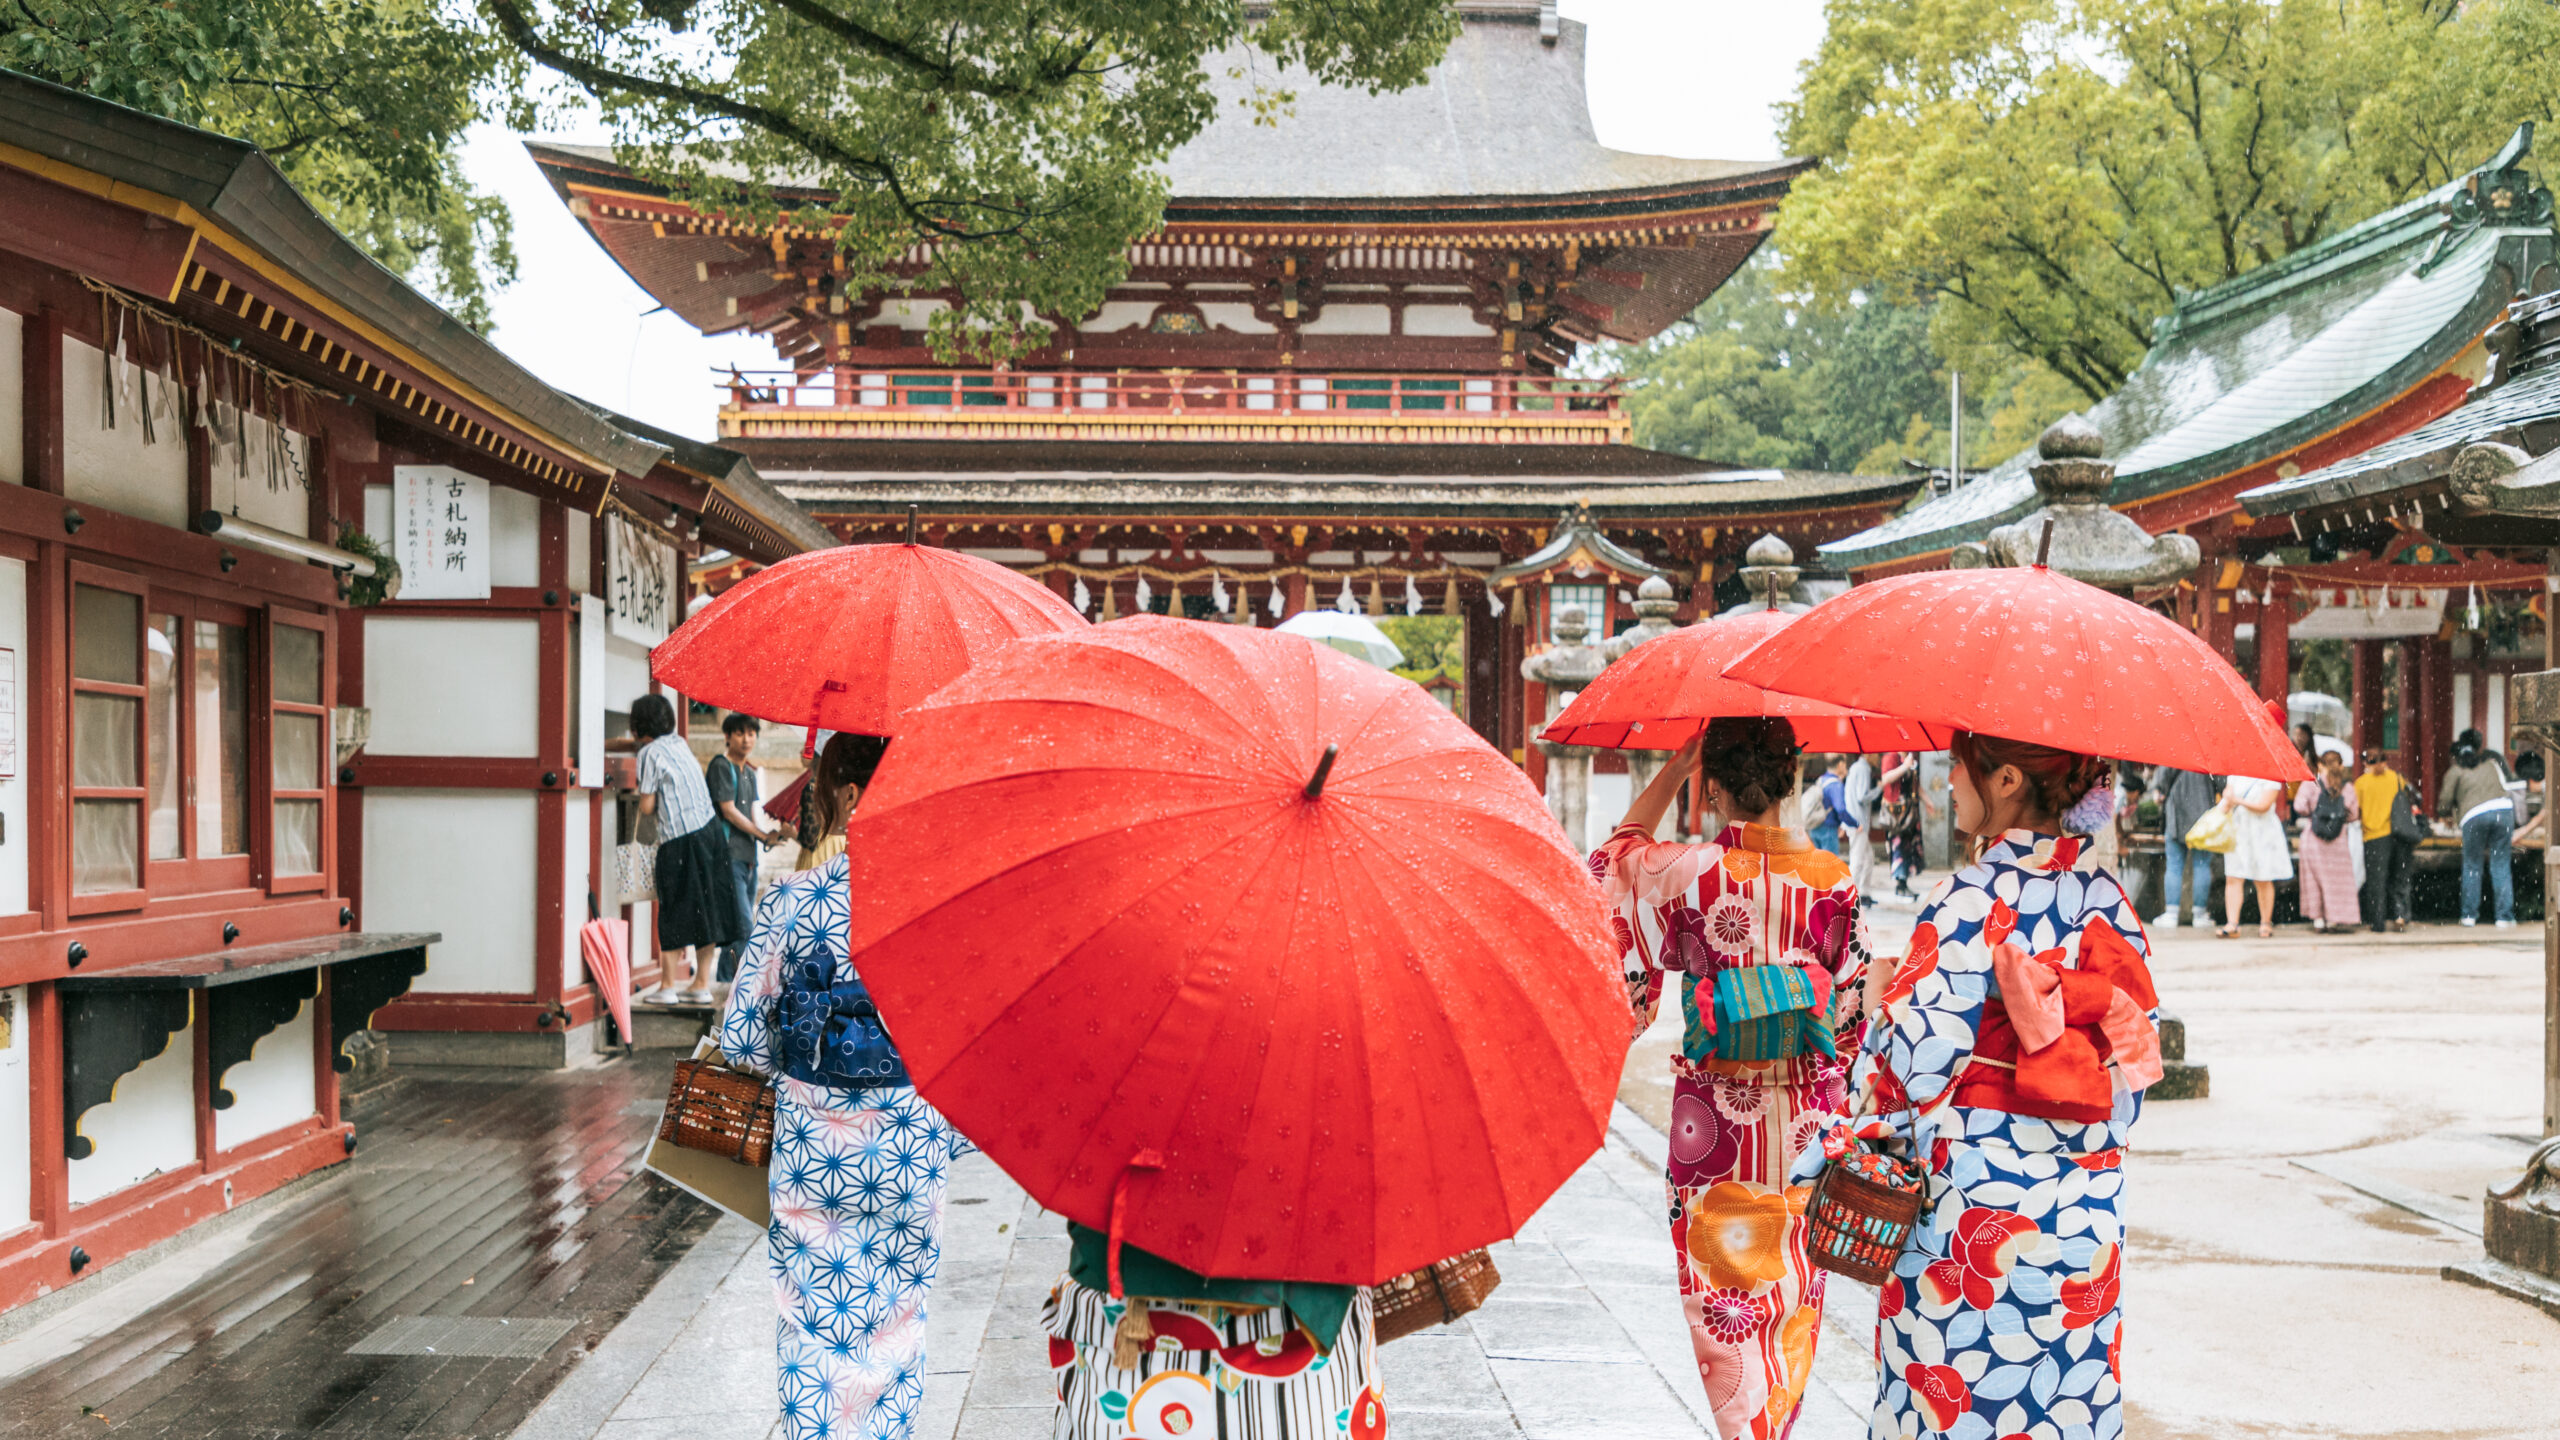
column 1654, row 609
column 2088, row 540
column 1564, row 668
column 1770, row 573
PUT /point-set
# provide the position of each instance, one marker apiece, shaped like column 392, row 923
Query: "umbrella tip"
column 2044, row 544
column 1324, row 767
column 911, row 525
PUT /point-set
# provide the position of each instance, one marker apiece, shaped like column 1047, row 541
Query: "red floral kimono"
column 1754, row 897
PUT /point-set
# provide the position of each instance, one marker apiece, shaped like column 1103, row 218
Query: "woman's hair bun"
column 1752, row 757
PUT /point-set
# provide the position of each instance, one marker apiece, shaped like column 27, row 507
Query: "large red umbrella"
column 1253, row 932
column 2027, row 654
column 1665, row 690
column 848, row 638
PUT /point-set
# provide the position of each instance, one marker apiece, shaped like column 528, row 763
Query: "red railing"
column 1075, row 394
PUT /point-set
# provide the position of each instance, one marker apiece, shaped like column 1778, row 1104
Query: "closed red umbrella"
column 848, row 638
column 2030, row 655
column 1665, row 690
column 1255, row 930
column 606, row 944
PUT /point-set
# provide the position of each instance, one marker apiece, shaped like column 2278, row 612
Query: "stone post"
column 1564, row 668
column 1654, row 609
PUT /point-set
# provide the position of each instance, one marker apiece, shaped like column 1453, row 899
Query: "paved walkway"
column 1582, row 1341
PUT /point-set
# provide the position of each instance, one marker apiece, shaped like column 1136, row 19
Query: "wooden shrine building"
column 2265, row 422
column 1337, row 371
column 250, row 804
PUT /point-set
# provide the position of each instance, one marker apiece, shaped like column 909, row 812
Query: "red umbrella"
column 1666, row 690
column 1244, row 926
column 848, row 638
column 2029, row 655
column 607, row 946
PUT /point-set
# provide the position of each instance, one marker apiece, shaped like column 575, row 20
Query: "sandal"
column 2266, row 932
column 2227, row 932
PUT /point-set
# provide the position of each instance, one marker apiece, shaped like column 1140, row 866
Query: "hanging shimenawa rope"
column 226, row 390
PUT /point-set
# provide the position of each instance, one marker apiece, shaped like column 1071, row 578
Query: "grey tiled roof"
column 1502, row 114
column 2256, row 366
column 2421, row 456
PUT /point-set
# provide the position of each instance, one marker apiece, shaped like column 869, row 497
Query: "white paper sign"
column 8, row 714
column 442, row 518
column 640, row 582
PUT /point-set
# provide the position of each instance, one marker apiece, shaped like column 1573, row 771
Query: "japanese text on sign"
column 640, row 579
column 441, row 517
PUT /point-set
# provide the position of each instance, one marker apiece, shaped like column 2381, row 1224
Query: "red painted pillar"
column 2368, row 693
column 2275, row 642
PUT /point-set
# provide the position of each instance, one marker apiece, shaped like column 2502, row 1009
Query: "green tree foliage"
column 1757, row 376
column 2056, row 174
column 360, row 102
column 1021, row 140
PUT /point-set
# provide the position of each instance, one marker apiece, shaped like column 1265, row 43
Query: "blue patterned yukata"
column 858, row 1182
column 2008, row 1057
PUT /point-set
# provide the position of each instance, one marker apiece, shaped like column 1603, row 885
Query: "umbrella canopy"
column 1665, row 690
column 848, row 638
column 1353, row 635
column 1324, row 1019
column 2029, row 655
column 607, row 946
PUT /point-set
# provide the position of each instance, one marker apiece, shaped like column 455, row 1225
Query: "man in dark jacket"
column 2184, row 796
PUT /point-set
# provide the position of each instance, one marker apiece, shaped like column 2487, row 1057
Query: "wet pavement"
column 2288, row 1238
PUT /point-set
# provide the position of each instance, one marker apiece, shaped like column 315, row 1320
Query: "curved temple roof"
column 2268, row 362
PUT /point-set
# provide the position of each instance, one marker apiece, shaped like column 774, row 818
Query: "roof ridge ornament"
column 2502, row 194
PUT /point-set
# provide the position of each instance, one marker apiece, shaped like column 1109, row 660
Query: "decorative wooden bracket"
column 105, row 1037
column 238, row 1016
column 357, row 988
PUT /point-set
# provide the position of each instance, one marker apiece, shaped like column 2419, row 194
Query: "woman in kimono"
column 1141, row 1347
column 860, row 1163
column 2007, row 1056
column 1761, row 930
column 2329, row 865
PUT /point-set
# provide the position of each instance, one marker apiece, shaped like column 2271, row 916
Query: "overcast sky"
column 1667, row 77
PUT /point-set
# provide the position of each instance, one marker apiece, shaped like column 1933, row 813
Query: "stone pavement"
column 1583, row 1339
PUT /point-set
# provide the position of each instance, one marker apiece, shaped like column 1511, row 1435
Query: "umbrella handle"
column 1136, row 1333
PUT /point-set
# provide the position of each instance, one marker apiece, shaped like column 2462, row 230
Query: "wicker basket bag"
column 1433, row 1295
column 1861, row 1214
column 719, row 1111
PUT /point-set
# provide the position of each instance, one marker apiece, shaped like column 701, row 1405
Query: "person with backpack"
column 2481, row 793
column 2387, row 804
column 2332, row 828
column 1757, row 935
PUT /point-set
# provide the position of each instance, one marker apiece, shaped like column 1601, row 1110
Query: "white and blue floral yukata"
column 2008, row 1059
column 858, row 1182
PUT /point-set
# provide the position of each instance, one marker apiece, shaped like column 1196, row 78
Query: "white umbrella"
column 1353, row 635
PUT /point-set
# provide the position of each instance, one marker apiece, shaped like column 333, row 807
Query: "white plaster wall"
column 460, row 862
column 515, row 543
column 12, row 399
column 1229, row 315
column 581, row 559
column 1118, row 315
column 14, row 835
column 1348, row 320
column 450, row 685
column 909, row 314
column 1610, row 795
column 377, row 512
column 113, row 469
column 284, row 506
column 15, row 1189
column 626, row 673
column 149, row 1127
column 573, row 890
column 275, row 1087
column 1442, row 320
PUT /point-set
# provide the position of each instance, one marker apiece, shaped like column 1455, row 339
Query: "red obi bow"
column 2068, row 1022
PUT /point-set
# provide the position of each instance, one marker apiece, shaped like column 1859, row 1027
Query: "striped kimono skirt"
column 1217, row 1372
